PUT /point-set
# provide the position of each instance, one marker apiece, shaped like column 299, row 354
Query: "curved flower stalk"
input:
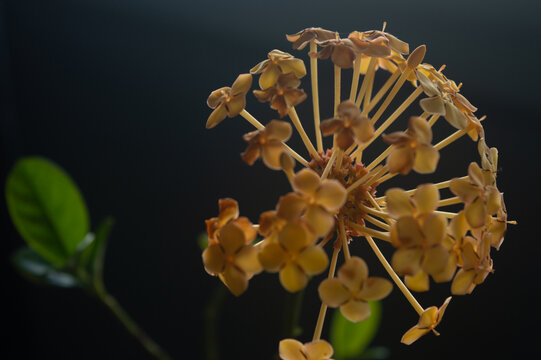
column 334, row 198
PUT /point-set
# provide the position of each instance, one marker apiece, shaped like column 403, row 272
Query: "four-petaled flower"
column 303, row 37
column 232, row 257
column 476, row 265
column 283, row 95
column 267, row 144
column 479, row 194
column 278, row 63
column 342, row 52
column 412, row 149
column 352, row 290
column 349, row 125
column 377, row 43
column 291, row 349
column 428, row 320
column 228, row 101
column 295, row 255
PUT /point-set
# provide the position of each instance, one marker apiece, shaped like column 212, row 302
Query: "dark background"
column 115, row 91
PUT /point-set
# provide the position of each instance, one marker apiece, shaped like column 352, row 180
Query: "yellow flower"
column 228, row 101
column 267, row 143
column 283, row 95
column 303, row 37
column 228, row 211
column 377, row 43
column 428, row 320
column 278, row 63
column 418, row 232
column 480, row 196
column 232, row 258
column 412, row 149
column 291, row 349
column 349, row 125
column 294, row 255
column 341, row 51
column 352, row 290
column 476, row 265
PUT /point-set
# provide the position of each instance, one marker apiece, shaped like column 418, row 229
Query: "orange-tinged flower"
column 412, row 149
column 267, row 144
column 283, row 95
column 228, row 101
column 349, row 126
column 480, row 196
column 352, row 290
column 294, row 255
column 232, row 258
column 303, row 37
column 228, row 211
column 428, row 321
column 476, row 265
column 341, row 51
column 278, row 63
column 291, row 349
column 377, row 43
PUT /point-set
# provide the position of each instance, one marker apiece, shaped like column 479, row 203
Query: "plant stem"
column 292, row 313
column 131, row 326
column 212, row 311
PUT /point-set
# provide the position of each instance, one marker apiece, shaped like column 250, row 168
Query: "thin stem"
column 252, row 120
column 329, row 165
column 343, row 236
column 297, row 123
column 375, row 212
column 450, row 201
column 447, row 214
column 337, row 86
column 433, row 120
column 386, row 177
column 340, row 158
column 315, row 95
column 368, row 94
column 379, row 95
column 376, row 176
column 370, row 232
column 367, row 78
column 131, row 326
column 355, row 79
column 380, row 158
column 362, row 180
column 418, row 308
column 376, row 222
column 391, row 95
column 292, row 313
column 323, row 308
column 440, row 185
column 451, row 138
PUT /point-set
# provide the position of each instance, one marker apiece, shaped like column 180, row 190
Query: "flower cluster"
column 334, row 195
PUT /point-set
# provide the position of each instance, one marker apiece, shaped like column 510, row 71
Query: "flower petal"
column 318, row 350
column 433, row 105
column 293, row 237
column 407, row 261
column 270, row 154
column 293, row 65
column 401, row 160
column 291, row 206
column 476, row 213
column 248, row 260
column 434, row 228
column 217, row 116
column 330, row 126
column 319, row 220
column 231, row 238
column 419, row 282
column 331, row 195
column 269, row 77
column 426, row 198
column 375, row 288
column 235, row 279
column 426, row 159
column 278, row 130
column 313, row 260
column 464, row 190
column 420, row 130
column 306, row 181
column 333, row 293
column 293, row 278
column 355, row 310
column 272, row 257
column 413, row 335
column 455, row 117
column 291, row 349
column 398, row 203
column 463, row 282
column 353, row 273
column 213, row 259
column 236, row 105
column 408, row 231
column 435, row 259
column 428, row 86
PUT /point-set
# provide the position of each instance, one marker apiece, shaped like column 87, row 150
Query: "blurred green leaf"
column 203, row 241
column 47, row 208
column 37, row 269
column 93, row 255
column 350, row 339
column 376, row 353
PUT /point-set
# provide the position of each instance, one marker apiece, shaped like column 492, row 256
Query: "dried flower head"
column 335, row 191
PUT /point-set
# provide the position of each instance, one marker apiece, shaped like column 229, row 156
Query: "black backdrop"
column 115, row 91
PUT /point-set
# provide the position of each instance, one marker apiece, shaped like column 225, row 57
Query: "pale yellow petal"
column 413, row 335
column 448, row 272
column 272, row 257
column 419, row 282
column 426, row 198
column 476, row 213
column 271, row 152
column 333, row 293
column 355, row 310
column 407, row 261
column 463, row 282
column 318, row 350
column 493, row 199
column 420, row 130
column 353, row 273
column 428, row 318
column 306, row 182
column 248, row 260
column 464, row 190
column 375, row 288
column 435, row 259
column 231, row 238
column 293, row 237
column 455, row 117
column 293, row 65
column 408, row 230
column 398, row 203
column 217, row 116
column 426, row 159
column 319, row 220
column 313, row 260
column 278, row 130
column 428, row 86
column 434, row 228
column 291, row 349
column 433, row 105
column 269, row 77
column 213, row 259
column 235, row 279
column 293, row 278
column 331, row 195
column 401, row 160
column 291, row 206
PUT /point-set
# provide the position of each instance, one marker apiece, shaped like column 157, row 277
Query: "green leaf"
column 93, row 255
column 37, row 269
column 350, row 339
column 47, row 208
column 203, row 241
